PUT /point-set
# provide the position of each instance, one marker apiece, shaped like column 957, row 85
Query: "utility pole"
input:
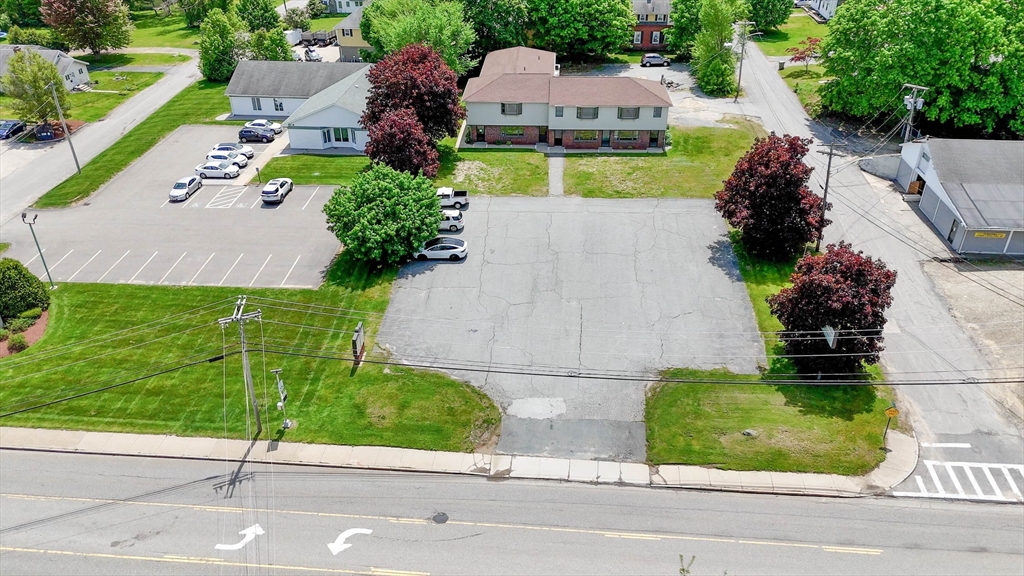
column 828, row 172
column 24, row 218
column 242, row 318
column 912, row 102
column 67, row 134
column 743, row 48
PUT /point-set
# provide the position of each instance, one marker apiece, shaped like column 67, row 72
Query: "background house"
column 350, row 37
column 519, row 98
column 276, row 89
column 972, row 191
column 652, row 18
column 825, row 8
column 73, row 71
column 330, row 118
column 345, row 6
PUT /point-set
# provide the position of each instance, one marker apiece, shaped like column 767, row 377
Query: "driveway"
column 224, row 236
column 601, row 288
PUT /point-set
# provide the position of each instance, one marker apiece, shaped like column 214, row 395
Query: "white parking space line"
column 290, row 269
column 30, row 260
column 945, row 445
column 58, row 262
column 226, row 197
column 230, row 269
column 260, row 270
column 143, row 266
column 194, row 194
column 112, row 266
column 165, row 202
column 310, row 197
column 84, row 265
column 201, row 268
column 172, row 267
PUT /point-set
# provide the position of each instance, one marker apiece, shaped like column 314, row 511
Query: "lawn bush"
column 31, row 313
column 4, row 334
column 20, row 290
column 17, row 343
column 19, row 325
column 37, row 37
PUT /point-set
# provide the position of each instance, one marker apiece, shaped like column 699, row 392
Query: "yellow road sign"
column 891, row 412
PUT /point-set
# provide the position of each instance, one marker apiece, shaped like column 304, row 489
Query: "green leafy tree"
column 498, row 23
column 316, row 8
column 258, row 14
column 966, row 53
column 769, row 14
column 20, row 290
column 22, row 12
column 27, row 82
column 36, row 37
column 384, row 215
column 195, row 11
column 390, row 25
column 713, row 61
column 581, row 28
column 269, row 45
column 685, row 17
column 219, row 45
column 296, row 19
column 94, row 24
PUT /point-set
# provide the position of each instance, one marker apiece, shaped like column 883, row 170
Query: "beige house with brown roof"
column 520, row 98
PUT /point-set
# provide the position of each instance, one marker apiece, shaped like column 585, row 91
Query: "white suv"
column 451, row 220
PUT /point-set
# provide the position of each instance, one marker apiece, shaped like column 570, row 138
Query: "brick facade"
column 569, row 142
column 647, row 30
column 492, row 134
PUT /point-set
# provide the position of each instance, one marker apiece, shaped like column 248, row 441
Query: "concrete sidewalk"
column 901, row 460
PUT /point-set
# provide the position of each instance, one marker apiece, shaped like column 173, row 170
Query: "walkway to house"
column 556, row 165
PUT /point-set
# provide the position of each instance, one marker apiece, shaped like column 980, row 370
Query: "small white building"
column 276, row 89
column 73, row 71
column 330, row 118
column 827, row 8
column 972, row 191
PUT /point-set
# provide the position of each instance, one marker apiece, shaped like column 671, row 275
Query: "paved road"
column 77, row 514
column 223, row 236
column 583, row 285
column 24, row 186
column 959, row 422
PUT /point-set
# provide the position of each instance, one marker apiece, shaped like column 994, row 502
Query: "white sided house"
column 74, row 72
column 519, row 98
column 972, row 191
column 330, row 118
column 276, row 89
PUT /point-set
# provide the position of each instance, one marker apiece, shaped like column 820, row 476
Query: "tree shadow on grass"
column 348, row 273
column 843, row 402
column 449, row 158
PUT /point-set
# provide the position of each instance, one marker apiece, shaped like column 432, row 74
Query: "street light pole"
column 743, row 47
column 24, row 218
column 67, row 134
column 912, row 103
column 824, row 199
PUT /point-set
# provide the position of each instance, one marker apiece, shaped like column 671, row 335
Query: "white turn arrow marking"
column 249, row 534
column 339, row 544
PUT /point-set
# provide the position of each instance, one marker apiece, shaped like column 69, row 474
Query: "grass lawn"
column 91, row 106
column 805, row 82
column 114, row 59
column 825, row 429
column 199, row 103
column 495, row 172
column 326, row 22
column 625, row 57
column 699, row 160
column 100, row 334
column 798, row 27
column 170, row 31
column 314, row 168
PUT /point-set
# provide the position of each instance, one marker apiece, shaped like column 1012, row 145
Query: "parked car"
column 264, row 124
column 654, row 60
column 255, row 135
column 10, row 128
column 217, row 170
column 442, row 248
column 451, row 198
column 184, row 189
column 275, row 190
column 451, row 220
column 246, row 151
column 311, row 55
column 231, row 157
column 44, row 132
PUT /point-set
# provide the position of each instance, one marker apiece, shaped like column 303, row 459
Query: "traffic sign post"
column 891, row 412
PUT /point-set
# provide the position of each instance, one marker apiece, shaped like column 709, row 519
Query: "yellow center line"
column 210, row 561
column 406, row 520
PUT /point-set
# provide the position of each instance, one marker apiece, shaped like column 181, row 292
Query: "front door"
column 654, row 140
column 481, row 134
column 606, row 138
column 952, row 231
column 558, row 137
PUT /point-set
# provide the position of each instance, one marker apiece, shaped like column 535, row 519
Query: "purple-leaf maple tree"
column 808, row 50
column 767, row 199
column 842, row 289
column 416, row 78
column 398, row 141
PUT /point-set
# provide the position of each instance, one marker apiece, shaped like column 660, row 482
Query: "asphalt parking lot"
column 128, row 232
column 585, row 286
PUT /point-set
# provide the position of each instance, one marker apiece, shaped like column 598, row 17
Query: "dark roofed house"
column 652, row 18
column 971, row 190
column 275, row 89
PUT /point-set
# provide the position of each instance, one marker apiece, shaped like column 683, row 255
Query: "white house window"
column 559, row 111
column 638, row 37
column 512, row 131
column 256, row 105
column 926, row 157
column 278, row 105
column 68, row 77
column 511, row 109
column 661, row 18
column 586, row 113
column 325, row 135
column 346, row 32
column 655, row 37
column 627, row 135
column 584, row 135
column 80, row 71
column 657, row 112
column 341, row 134
column 629, row 113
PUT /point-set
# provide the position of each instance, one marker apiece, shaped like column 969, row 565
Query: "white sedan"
column 230, row 157
column 217, row 170
column 242, row 149
column 275, row 190
column 183, row 189
column 443, row 248
column 264, row 124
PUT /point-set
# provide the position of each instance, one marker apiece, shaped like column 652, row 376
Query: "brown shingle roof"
column 606, row 91
column 508, row 88
column 518, row 60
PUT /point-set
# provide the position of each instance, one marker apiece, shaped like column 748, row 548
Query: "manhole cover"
column 440, row 518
